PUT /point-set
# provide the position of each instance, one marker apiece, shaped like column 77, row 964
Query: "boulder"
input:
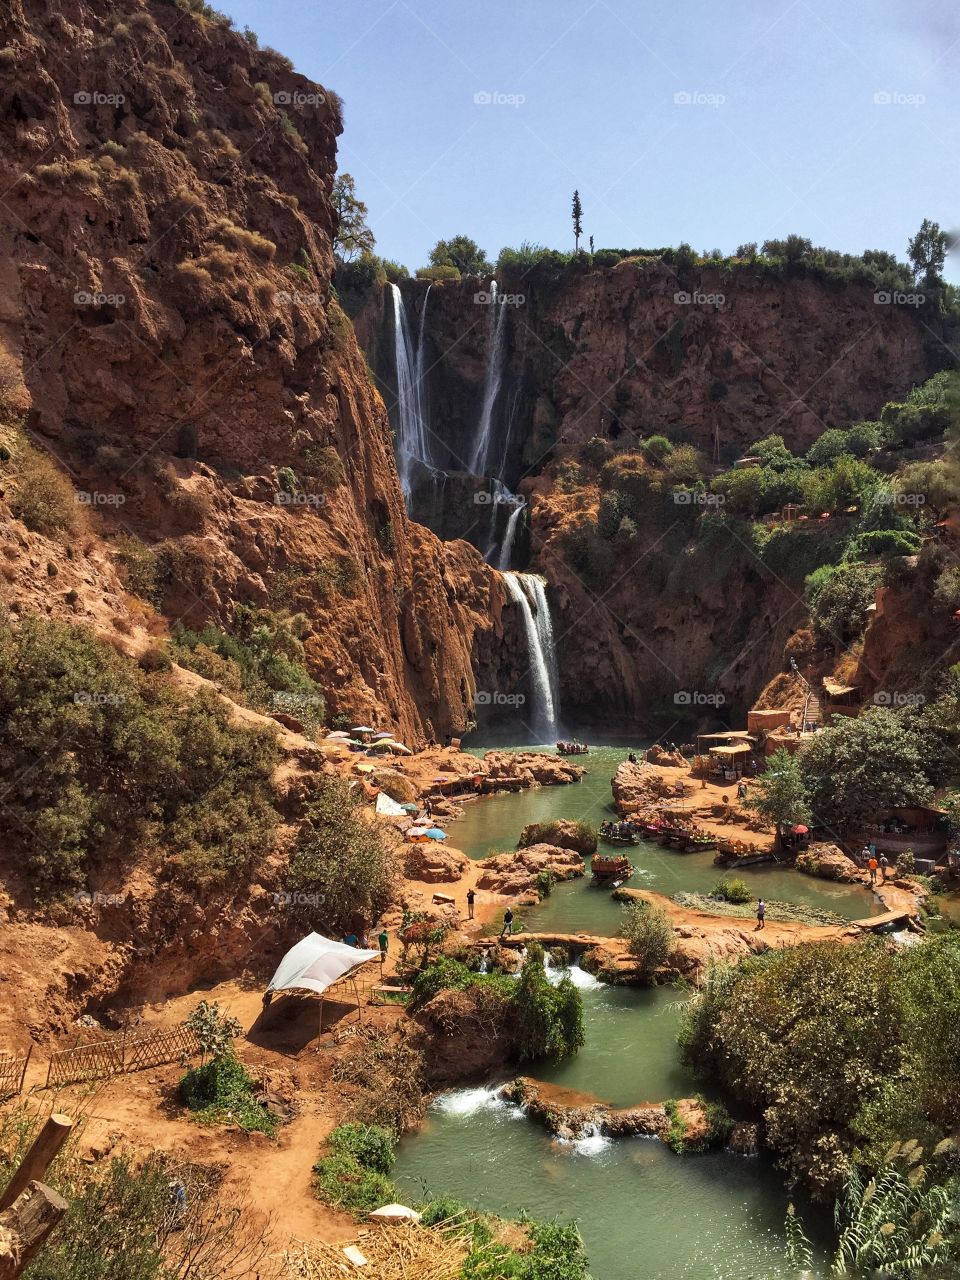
column 660, row 756
column 527, row 769
column 829, row 862
column 516, row 873
column 433, row 863
column 562, row 833
column 638, row 786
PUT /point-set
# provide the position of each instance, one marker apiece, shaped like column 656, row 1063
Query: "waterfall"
column 499, row 553
column 527, row 590
column 506, row 548
column 412, row 445
column 491, row 387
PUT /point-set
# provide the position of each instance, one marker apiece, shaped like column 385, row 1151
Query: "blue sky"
column 714, row 124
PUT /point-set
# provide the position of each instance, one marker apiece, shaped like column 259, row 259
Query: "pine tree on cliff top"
column 577, row 220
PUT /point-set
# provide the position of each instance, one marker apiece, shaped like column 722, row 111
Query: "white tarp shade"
column 389, row 807
column 315, row 964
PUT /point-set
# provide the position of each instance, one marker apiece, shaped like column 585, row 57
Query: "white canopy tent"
column 317, row 964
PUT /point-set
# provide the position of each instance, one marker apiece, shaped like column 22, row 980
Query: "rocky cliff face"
column 167, row 324
column 713, row 358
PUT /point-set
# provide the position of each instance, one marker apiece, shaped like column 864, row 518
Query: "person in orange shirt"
column 872, row 865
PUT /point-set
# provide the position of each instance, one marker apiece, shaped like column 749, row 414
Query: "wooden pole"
column 24, row 1228
column 39, row 1158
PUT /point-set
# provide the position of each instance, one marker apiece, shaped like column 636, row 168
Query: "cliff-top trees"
column 354, row 238
column 780, row 795
column 577, row 212
column 460, row 252
column 927, row 251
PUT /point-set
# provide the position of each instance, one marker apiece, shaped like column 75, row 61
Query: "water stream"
column 643, row 1211
column 529, row 593
column 411, row 435
column 480, row 458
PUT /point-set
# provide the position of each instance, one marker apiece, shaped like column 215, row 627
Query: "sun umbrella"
column 436, row 834
column 361, row 728
column 379, row 746
column 399, row 749
column 410, row 806
column 382, row 734
column 800, row 830
column 338, row 733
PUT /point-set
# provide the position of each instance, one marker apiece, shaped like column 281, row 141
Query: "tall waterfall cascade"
column 480, row 458
column 529, row 592
column 413, row 444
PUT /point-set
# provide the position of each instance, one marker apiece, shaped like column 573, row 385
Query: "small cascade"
column 509, row 534
column 528, row 591
column 498, row 552
column 491, row 387
column 412, row 444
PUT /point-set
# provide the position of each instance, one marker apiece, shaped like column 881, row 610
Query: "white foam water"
column 468, row 1102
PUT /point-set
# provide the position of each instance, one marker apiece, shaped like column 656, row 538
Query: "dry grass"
column 402, row 1252
column 44, row 499
column 242, row 238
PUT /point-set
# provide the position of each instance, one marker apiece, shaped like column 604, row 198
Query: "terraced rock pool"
column 643, row 1211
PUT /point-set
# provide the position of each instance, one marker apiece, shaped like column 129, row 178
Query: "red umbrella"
column 800, row 830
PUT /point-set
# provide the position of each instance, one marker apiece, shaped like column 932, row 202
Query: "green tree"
column 460, row 252
column 577, row 212
column 927, row 251
column 810, row 1037
column 344, row 870
column 859, row 768
column 780, row 795
column 649, row 935
column 353, row 238
column 843, row 484
column 838, row 597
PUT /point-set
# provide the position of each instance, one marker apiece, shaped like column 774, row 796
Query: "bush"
column 737, row 891
column 884, row 543
column 649, row 935
column 657, row 447
column 101, row 757
column 344, row 1183
column 438, row 273
column 350, row 867
column 369, row 1144
column 139, row 565
column 809, row 1035
column 838, row 596
column 44, row 498
column 220, row 1092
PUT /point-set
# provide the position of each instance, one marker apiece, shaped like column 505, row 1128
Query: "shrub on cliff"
column 344, row 870
column 648, row 934
column 540, row 1019
column 810, row 1036
column 43, row 498
column 838, row 597
column 859, row 768
column 101, row 758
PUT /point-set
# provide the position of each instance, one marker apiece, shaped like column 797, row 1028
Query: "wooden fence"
column 13, row 1068
column 109, row 1057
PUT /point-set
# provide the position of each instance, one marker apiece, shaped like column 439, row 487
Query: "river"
column 643, row 1211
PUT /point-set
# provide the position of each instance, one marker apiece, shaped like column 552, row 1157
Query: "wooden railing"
column 112, row 1056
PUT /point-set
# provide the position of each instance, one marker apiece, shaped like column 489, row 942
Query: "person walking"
column 507, row 923
column 383, row 941
column 761, row 914
column 741, row 789
column 471, row 898
column 872, row 867
column 884, row 862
